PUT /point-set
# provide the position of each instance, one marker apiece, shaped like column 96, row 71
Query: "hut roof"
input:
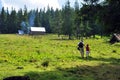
column 115, row 38
column 38, row 29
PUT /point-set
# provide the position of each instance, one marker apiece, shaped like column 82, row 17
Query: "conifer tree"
column 3, row 18
column 13, row 22
column 37, row 19
column 20, row 18
column 77, row 19
column 67, row 20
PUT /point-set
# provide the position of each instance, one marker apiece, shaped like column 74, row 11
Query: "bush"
column 45, row 64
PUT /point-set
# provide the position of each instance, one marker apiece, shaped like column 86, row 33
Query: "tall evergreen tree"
column 111, row 16
column 20, row 18
column 88, row 13
column 7, row 22
column 77, row 19
column 67, row 20
column 25, row 14
column 13, row 22
column 58, row 22
column 3, row 18
column 47, row 16
column 37, row 19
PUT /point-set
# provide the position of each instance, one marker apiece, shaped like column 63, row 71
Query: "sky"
column 33, row 4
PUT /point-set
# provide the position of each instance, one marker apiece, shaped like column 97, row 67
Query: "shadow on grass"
column 100, row 72
column 110, row 60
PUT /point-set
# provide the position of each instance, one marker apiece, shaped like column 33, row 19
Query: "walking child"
column 87, row 51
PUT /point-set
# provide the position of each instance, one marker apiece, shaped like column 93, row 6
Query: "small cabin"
column 115, row 38
column 37, row 30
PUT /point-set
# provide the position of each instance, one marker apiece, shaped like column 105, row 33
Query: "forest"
column 90, row 19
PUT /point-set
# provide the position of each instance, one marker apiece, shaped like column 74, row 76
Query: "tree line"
column 90, row 19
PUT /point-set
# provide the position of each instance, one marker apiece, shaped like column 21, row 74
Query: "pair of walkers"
column 81, row 49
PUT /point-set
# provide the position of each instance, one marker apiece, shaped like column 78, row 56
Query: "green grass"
column 48, row 57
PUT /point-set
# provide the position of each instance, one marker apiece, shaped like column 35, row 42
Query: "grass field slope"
column 48, row 57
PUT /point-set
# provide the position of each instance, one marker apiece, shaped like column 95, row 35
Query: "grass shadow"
column 111, row 60
column 100, row 72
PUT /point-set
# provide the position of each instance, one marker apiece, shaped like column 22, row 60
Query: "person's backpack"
column 78, row 48
column 80, row 44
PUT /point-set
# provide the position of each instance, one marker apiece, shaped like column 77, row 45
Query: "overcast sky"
column 33, row 4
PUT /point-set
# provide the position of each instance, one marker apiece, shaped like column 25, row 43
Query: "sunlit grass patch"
column 48, row 57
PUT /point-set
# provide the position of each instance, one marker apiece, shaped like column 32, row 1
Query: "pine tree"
column 77, row 19
column 67, row 20
column 111, row 16
column 37, row 19
column 13, row 20
column 58, row 20
column 3, row 18
column 89, row 16
column 25, row 14
column 7, row 21
column 20, row 18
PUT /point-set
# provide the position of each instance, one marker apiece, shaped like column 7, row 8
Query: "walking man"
column 81, row 48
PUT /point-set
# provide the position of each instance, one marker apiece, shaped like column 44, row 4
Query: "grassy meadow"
column 48, row 57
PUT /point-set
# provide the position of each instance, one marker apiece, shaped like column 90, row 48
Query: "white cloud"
column 31, row 4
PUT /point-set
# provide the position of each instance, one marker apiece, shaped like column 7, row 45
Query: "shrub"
column 45, row 63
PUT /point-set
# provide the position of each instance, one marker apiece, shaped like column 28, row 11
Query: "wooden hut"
column 37, row 30
column 115, row 38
